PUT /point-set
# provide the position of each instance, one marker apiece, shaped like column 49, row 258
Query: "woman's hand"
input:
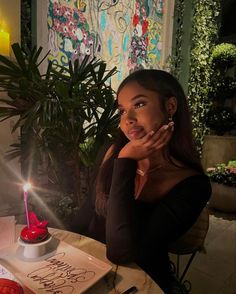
column 142, row 148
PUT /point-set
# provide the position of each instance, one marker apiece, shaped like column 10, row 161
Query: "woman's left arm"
column 119, row 222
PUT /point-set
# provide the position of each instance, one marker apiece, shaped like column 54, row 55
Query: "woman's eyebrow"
column 134, row 98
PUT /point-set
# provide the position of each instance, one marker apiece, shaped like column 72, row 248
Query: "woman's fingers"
column 165, row 130
column 164, row 135
column 141, row 148
column 159, row 138
column 145, row 140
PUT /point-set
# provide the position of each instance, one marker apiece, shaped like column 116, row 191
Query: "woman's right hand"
column 142, row 148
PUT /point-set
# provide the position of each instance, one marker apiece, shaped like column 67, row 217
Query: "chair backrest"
column 193, row 239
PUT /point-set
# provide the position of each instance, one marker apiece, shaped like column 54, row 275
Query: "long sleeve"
column 120, row 211
column 136, row 229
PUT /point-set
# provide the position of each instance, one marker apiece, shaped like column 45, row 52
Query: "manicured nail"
column 165, row 127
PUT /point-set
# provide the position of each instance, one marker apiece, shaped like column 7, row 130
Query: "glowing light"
column 4, row 43
column 26, row 187
column 11, row 170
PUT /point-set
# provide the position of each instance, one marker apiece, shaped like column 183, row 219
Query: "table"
column 119, row 279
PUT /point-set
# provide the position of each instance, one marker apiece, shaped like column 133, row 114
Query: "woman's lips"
column 135, row 132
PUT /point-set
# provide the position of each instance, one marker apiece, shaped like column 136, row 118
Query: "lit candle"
column 26, row 188
column 4, row 43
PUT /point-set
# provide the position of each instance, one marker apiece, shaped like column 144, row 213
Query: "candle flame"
column 27, row 187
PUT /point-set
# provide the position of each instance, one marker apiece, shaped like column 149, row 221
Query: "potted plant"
column 223, row 180
column 221, row 117
column 65, row 115
column 224, row 56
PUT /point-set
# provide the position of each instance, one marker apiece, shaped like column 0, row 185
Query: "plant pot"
column 223, row 198
column 218, row 149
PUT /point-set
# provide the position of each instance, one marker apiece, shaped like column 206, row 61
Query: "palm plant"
column 65, row 115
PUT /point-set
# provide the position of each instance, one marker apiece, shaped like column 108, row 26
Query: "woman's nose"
column 131, row 117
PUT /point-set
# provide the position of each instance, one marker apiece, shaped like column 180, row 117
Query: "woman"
column 151, row 187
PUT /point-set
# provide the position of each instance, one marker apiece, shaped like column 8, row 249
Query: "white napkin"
column 5, row 274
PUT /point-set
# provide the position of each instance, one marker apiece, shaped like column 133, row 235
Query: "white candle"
column 26, row 187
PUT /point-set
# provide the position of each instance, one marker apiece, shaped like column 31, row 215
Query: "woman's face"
column 140, row 111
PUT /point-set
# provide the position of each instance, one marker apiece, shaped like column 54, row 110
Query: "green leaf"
column 19, row 56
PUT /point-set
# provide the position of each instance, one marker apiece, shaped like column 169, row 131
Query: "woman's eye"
column 121, row 111
column 139, row 104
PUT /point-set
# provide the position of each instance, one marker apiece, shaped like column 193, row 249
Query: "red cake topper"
column 36, row 231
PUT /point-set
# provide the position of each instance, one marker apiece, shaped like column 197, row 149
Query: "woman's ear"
column 171, row 106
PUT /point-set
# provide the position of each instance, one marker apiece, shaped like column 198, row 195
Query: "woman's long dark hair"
column 181, row 146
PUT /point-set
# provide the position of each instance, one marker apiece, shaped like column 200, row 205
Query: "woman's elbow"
column 119, row 256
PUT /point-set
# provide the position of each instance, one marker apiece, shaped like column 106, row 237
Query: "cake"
column 36, row 232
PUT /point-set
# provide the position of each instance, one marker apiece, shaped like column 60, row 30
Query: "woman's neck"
column 154, row 162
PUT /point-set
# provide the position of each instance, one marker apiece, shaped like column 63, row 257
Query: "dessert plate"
column 66, row 270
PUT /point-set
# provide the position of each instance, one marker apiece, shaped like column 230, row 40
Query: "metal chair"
column 190, row 243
